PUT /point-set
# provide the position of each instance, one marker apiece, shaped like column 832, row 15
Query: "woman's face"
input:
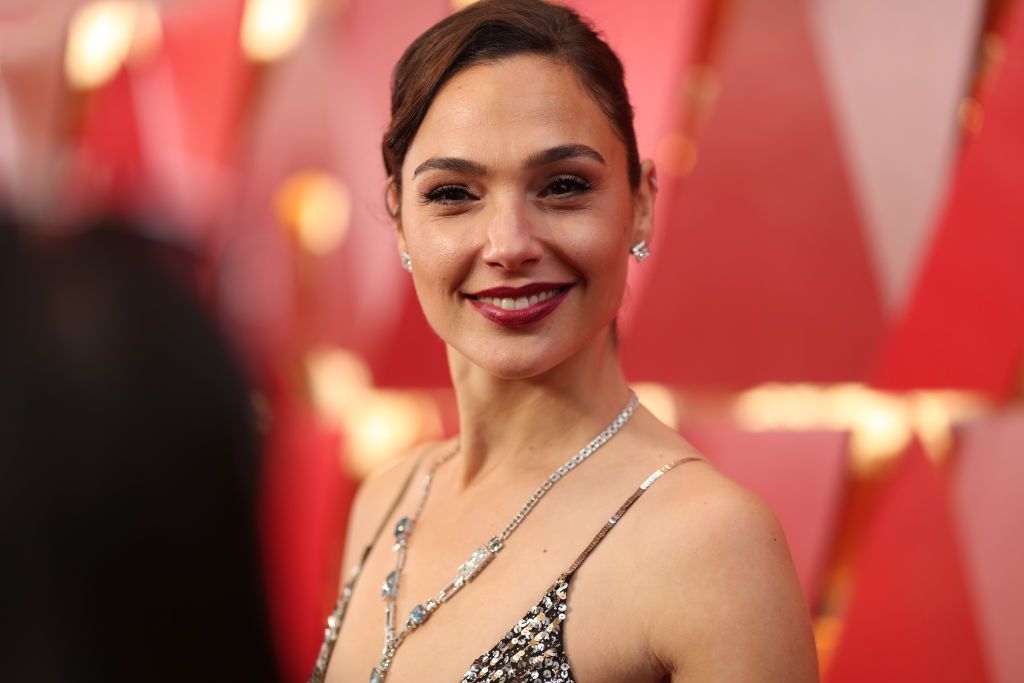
column 517, row 214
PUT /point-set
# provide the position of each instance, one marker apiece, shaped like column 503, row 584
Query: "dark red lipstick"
column 483, row 302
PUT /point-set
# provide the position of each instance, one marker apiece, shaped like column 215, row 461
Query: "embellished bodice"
column 533, row 649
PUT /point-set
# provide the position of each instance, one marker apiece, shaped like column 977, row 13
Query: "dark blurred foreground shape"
column 129, row 474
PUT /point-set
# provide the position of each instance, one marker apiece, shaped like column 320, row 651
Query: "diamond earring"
column 640, row 251
column 406, row 261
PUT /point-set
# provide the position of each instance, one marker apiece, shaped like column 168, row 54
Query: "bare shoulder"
column 373, row 501
column 712, row 520
column 728, row 605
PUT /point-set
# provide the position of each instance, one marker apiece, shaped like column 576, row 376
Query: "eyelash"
column 577, row 185
column 444, row 195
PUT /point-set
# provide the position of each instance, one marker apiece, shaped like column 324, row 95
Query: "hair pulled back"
column 489, row 31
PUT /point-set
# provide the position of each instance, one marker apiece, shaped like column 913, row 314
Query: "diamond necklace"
column 480, row 558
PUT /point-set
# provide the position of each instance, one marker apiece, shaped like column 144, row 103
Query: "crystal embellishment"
column 467, row 572
column 390, row 588
column 403, row 529
column 475, row 564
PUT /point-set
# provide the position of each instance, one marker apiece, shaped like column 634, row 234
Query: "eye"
column 447, row 195
column 565, row 186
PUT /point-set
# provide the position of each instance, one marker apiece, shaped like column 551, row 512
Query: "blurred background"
column 834, row 310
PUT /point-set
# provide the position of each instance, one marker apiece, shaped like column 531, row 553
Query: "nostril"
column 513, row 254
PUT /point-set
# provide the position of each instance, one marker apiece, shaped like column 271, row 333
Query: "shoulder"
column 728, row 602
column 705, row 515
column 374, row 499
column 708, row 507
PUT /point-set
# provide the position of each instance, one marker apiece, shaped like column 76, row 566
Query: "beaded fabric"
column 533, row 649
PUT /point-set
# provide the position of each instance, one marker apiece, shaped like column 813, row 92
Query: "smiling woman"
column 518, row 195
column 516, row 186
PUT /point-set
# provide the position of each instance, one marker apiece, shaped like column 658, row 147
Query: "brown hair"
column 489, row 31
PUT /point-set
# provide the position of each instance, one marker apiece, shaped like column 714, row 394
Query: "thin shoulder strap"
column 341, row 606
column 655, row 476
column 393, row 507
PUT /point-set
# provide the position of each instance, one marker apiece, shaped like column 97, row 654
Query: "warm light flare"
column 273, row 28
column 660, row 400
column 879, row 430
column 338, row 380
column 100, row 37
column 377, row 425
column 779, row 406
column 384, row 424
column 318, row 207
column 881, row 424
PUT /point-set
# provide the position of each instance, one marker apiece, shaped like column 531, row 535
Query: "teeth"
column 522, row 302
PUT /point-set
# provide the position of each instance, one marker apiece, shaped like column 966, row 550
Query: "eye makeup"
column 565, row 185
column 447, row 195
column 560, row 182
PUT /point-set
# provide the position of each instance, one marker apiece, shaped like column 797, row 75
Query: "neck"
column 537, row 422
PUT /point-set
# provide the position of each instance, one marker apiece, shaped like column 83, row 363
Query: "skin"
column 695, row 583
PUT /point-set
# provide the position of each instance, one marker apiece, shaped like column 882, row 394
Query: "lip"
column 516, row 292
column 522, row 316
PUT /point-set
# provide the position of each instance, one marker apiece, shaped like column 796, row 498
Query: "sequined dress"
column 533, row 649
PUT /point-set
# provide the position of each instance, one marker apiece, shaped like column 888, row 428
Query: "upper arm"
column 733, row 610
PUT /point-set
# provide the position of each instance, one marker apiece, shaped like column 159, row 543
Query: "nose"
column 511, row 239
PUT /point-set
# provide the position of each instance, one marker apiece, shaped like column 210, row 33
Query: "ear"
column 643, row 203
column 392, row 200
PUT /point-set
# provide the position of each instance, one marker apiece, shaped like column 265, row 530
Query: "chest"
column 600, row 633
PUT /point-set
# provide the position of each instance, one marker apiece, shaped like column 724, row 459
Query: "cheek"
column 600, row 250
column 600, row 259
column 439, row 259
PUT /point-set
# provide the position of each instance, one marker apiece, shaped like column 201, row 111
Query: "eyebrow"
column 450, row 164
column 562, row 152
column 542, row 158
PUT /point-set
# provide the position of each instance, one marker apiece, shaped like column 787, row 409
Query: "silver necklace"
column 480, row 558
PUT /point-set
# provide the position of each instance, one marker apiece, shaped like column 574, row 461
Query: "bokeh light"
column 377, row 425
column 318, row 207
column 384, row 424
column 273, row 28
column 660, row 400
column 881, row 424
column 100, row 37
column 338, row 380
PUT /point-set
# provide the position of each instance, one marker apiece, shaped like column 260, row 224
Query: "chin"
column 513, row 366
column 511, row 363
column 521, row 357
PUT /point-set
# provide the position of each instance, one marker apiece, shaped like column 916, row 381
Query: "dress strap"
column 393, row 507
column 341, row 606
column 655, row 476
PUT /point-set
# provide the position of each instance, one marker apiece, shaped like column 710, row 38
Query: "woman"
column 518, row 198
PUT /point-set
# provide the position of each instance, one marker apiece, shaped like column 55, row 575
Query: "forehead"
column 505, row 111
